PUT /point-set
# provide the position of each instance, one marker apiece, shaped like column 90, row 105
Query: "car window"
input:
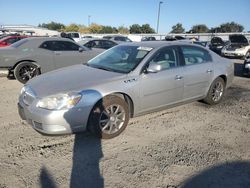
column 11, row 40
column 194, row 55
column 65, row 46
column 121, row 59
column 167, row 58
column 48, row 45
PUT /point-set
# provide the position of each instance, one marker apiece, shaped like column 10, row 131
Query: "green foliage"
column 108, row 29
column 145, row 28
column 229, row 27
column 95, row 28
column 123, row 30
column 71, row 28
column 53, row 26
column 177, row 28
column 200, row 28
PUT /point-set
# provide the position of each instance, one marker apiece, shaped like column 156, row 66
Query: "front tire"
column 215, row 92
column 109, row 117
column 24, row 71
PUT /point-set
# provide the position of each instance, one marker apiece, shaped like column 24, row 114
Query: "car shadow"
column 227, row 175
column 87, row 153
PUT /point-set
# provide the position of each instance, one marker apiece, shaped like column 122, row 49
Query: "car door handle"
column 209, row 71
column 177, row 77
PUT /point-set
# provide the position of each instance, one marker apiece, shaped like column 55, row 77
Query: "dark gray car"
column 33, row 56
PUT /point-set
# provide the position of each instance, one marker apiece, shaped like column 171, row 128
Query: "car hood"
column 73, row 78
column 238, row 39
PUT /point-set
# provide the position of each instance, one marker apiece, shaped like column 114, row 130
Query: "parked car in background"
column 7, row 41
column 238, row 47
column 98, row 43
column 74, row 35
column 128, row 80
column 30, row 57
column 148, row 39
column 117, row 38
column 216, row 45
column 174, row 38
column 246, row 66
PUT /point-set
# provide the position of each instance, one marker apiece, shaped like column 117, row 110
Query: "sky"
column 127, row 12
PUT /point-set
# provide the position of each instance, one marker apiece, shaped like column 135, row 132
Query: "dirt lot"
column 194, row 145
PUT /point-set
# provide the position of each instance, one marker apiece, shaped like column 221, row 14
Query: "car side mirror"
column 154, row 68
column 80, row 49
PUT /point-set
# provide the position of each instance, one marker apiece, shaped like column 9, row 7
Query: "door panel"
column 196, row 80
column 197, row 71
column 160, row 89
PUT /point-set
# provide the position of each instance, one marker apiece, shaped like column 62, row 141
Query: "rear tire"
column 24, row 71
column 215, row 92
column 109, row 117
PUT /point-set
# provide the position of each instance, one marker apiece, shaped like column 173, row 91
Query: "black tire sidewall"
column 18, row 68
column 208, row 98
column 93, row 122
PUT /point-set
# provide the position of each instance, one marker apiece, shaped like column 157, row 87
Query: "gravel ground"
column 193, row 145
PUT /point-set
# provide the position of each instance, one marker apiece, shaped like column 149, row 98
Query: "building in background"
column 27, row 30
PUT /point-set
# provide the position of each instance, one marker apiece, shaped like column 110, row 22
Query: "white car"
column 238, row 47
column 74, row 35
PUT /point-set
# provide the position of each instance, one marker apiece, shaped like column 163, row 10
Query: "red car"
column 7, row 41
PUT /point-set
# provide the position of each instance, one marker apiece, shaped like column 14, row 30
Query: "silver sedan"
column 125, row 81
column 30, row 57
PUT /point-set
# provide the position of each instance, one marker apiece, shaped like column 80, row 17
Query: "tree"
column 123, row 30
column 231, row 27
column 95, row 28
column 201, row 28
column 108, row 29
column 145, row 28
column 53, row 26
column 177, row 28
column 135, row 28
column 83, row 29
column 71, row 28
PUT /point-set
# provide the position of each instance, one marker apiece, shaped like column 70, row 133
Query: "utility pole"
column 158, row 19
column 89, row 20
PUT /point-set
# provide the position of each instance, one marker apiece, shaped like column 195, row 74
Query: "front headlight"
column 60, row 101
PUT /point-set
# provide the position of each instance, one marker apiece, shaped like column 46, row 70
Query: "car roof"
column 49, row 39
column 158, row 44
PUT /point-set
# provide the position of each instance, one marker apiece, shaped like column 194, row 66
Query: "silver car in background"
column 125, row 81
column 30, row 57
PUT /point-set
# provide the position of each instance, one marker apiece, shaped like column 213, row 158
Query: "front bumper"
column 56, row 122
column 4, row 72
column 232, row 54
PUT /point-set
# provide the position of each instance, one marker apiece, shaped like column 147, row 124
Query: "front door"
column 164, row 87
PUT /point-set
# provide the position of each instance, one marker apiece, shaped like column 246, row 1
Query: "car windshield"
column 122, row 59
column 19, row 43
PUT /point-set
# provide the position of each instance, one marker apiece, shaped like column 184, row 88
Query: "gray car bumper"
column 54, row 122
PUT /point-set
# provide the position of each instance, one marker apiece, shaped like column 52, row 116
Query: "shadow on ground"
column 87, row 153
column 227, row 175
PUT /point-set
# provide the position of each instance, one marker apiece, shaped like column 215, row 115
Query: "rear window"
column 194, row 55
column 74, row 35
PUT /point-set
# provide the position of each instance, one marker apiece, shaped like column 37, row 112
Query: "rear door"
column 67, row 53
column 197, row 71
column 164, row 87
